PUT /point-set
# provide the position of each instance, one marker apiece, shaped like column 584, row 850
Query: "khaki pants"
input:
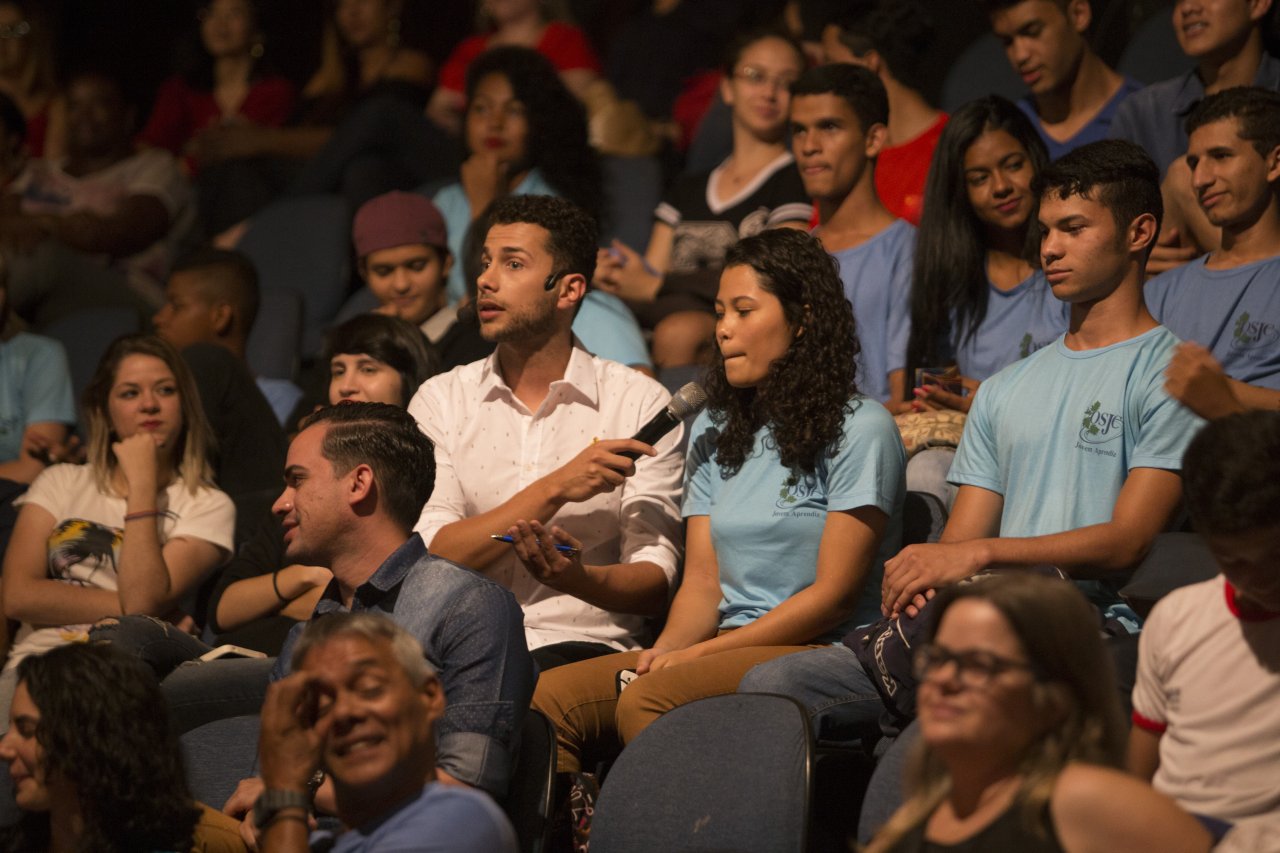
column 592, row 721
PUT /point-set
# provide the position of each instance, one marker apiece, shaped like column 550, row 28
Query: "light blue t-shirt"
column 35, row 387
column 443, row 819
column 607, row 328
column 1235, row 313
column 1019, row 322
column 1058, row 433
column 766, row 531
column 877, row 282
column 455, row 207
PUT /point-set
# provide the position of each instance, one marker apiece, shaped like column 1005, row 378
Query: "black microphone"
column 687, row 401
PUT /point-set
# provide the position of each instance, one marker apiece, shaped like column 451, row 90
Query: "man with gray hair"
column 361, row 705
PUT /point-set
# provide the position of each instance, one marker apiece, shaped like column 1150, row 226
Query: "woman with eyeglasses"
column 28, row 75
column 1021, row 734
column 672, row 287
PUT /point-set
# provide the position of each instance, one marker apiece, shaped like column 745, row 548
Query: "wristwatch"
column 272, row 801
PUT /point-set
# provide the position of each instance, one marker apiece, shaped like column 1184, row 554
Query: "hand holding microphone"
column 605, row 465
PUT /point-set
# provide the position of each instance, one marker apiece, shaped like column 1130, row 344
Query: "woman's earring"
column 257, row 50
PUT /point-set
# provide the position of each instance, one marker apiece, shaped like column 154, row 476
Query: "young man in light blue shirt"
column 1228, row 302
column 1071, row 456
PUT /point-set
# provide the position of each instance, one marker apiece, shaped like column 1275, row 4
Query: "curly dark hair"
column 104, row 726
column 809, row 389
column 1117, row 174
column 572, row 235
column 1229, row 492
column 949, row 290
column 557, row 141
column 1256, row 110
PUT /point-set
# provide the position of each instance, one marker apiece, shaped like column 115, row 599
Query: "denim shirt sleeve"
column 488, row 677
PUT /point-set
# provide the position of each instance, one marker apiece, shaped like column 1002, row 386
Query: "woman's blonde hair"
column 1074, row 693
column 195, row 441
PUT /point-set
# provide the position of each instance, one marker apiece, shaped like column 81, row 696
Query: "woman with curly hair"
column 94, row 762
column 793, row 495
column 1021, row 733
column 524, row 134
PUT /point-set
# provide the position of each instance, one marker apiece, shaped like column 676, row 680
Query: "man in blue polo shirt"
column 839, row 118
column 1228, row 302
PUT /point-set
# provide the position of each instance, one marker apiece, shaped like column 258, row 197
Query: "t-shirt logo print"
column 794, row 493
column 1099, row 427
column 1251, row 334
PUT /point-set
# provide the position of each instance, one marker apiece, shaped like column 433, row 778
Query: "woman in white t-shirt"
column 132, row 531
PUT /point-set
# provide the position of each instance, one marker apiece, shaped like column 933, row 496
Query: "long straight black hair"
column 949, row 289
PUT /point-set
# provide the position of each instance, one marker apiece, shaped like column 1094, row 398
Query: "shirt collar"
column 387, row 578
column 1192, row 89
column 1242, row 613
column 579, row 378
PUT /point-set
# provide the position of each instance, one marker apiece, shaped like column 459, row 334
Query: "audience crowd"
column 986, row 449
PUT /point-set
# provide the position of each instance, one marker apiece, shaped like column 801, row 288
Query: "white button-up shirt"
column 489, row 446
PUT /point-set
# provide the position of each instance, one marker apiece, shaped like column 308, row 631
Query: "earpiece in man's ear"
column 551, row 280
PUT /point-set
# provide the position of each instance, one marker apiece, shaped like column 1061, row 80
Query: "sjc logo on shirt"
column 794, row 497
column 1099, row 427
column 1252, row 334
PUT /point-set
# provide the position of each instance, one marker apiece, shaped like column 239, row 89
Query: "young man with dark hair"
column 1224, row 37
column 1071, row 456
column 1074, row 95
column 890, row 38
column 530, row 440
column 356, row 477
column 364, row 704
column 1226, row 305
column 839, row 117
column 1204, row 706
column 211, row 301
column 99, row 229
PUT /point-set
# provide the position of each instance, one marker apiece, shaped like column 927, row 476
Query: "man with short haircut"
column 1225, row 39
column 211, row 301
column 98, row 229
column 356, row 479
column 1071, row 456
column 1228, row 302
column 1204, row 706
column 890, row 38
column 529, row 443
column 362, row 705
column 839, row 116
column 402, row 253
column 1074, row 95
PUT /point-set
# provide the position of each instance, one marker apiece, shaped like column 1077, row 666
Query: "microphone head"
column 689, row 400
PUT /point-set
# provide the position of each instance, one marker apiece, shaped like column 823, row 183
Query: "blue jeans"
column 927, row 472
column 831, row 684
column 157, row 643
column 200, row 692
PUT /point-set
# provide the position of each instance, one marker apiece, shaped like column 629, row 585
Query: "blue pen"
column 563, row 549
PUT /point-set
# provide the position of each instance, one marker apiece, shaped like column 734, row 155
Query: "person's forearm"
column 142, row 578
column 639, row 588
column 288, row 833
column 51, row 602
column 694, row 616
column 800, row 619
column 1083, row 552
column 466, row 541
column 298, row 143
column 24, row 469
column 1254, row 397
column 254, row 598
column 118, row 236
